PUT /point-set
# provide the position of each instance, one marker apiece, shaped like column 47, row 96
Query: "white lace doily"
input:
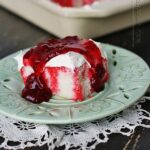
column 73, row 135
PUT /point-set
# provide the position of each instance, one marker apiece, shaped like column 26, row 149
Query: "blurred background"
column 85, row 18
column 23, row 23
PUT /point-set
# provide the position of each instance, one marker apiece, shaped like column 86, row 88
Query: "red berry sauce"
column 36, row 90
column 73, row 3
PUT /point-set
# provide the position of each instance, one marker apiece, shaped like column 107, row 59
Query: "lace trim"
column 21, row 134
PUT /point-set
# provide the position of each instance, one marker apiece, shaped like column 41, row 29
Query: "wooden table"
column 16, row 34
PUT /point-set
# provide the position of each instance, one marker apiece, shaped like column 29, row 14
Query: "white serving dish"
column 88, row 21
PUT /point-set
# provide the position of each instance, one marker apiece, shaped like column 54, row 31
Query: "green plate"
column 129, row 80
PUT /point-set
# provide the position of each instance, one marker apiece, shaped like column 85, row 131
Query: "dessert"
column 73, row 3
column 71, row 68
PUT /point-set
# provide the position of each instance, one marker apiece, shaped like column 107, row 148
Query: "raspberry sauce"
column 73, row 3
column 36, row 90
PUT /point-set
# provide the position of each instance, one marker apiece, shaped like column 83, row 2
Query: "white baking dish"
column 88, row 21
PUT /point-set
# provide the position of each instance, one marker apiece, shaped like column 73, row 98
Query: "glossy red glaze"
column 73, row 3
column 36, row 90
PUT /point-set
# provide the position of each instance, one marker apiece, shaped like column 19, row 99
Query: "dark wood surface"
column 16, row 34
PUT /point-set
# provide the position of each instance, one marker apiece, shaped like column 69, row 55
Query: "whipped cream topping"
column 70, row 60
column 19, row 59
